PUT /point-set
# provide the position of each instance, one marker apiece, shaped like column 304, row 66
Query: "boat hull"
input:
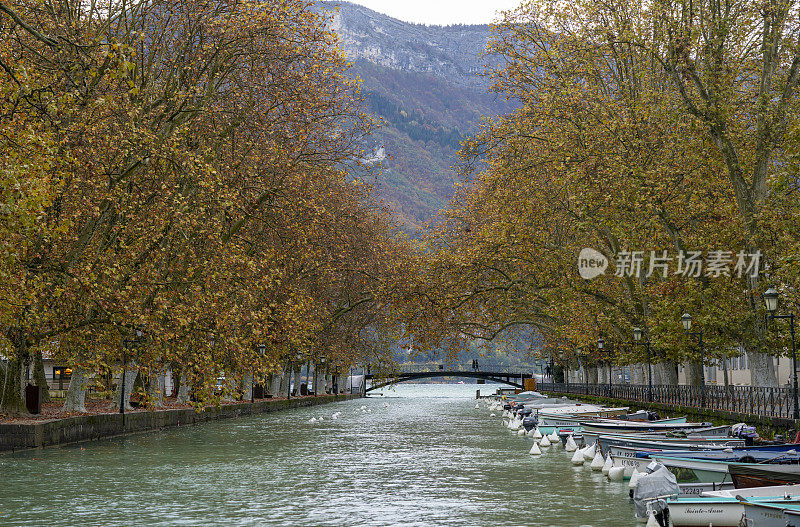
column 630, row 464
column 769, row 515
column 688, row 470
column 615, row 428
column 719, row 511
column 697, row 489
column 607, row 443
column 746, row 476
column 702, row 512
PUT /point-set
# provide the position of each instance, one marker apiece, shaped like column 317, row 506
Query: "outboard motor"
column 530, row 422
column 651, row 492
column 507, row 406
column 748, row 433
column 525, row 412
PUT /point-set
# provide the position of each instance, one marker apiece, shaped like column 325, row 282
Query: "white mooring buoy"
column 589, row 452
column 634, row 479
column 537, row 434
column 571, row 445
column 597, row 462
column 535, row 450
column 521, row 432
column 651, row 521
column 545, row 442
column 607, row 465
column 492, row 415
column 616, row 473
column 577, row 458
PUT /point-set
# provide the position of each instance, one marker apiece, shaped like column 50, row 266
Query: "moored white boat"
column 719, row 511
column 637, row 426
column 570, row 417
column 607, row 442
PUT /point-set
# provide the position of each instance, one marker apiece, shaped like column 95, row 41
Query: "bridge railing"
column 461, row 367
column 753, row 400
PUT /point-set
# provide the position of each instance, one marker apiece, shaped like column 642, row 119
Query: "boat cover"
column 654, row 488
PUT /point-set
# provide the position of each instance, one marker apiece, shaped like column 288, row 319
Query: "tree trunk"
column 130, row 378
column 668, row 373
column 13, row 396
column 725, row 377
column 693, row 373
column 75, row 400
column 296, row 387
column 762, row 369
column 284, row 384
column 638, row 373
column 39, row 378
column 592, row 375
column 176, row 382
column 247, row 386
column 155, row 391
column 319, row 381
column 183, row 391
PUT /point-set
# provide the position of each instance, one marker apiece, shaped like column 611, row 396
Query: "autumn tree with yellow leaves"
column 184, row 169
column 658, row 127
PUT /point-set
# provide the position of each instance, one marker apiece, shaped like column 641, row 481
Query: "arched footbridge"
column 496, row 374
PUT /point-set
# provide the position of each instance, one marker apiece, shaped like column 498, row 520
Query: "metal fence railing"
column 461, row 367
column 753, row 400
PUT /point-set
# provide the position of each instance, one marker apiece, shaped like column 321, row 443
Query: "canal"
column 419, row 455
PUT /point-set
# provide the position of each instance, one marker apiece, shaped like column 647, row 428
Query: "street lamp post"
column 637, row 337
column 601, row 344
column 583, row 365
column 771, row 301
column 686, row 320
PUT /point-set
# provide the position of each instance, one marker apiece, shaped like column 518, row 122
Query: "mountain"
column 424, row 82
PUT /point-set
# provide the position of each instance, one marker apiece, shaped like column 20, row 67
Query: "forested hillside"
column 424, row 83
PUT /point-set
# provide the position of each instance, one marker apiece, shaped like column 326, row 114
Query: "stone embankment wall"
column 94, row 427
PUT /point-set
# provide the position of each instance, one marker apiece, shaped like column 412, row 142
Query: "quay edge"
column 24, row 436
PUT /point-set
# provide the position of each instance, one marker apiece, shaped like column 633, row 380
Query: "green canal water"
column 421, row 455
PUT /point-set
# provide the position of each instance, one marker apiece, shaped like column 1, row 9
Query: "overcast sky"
column 441, row 12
